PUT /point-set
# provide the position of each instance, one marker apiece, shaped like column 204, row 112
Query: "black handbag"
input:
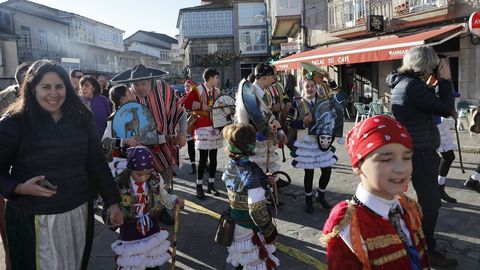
column 225, row 229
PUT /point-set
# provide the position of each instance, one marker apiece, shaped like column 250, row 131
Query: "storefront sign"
column 375, row 23
column 474, row 23
column 286, row 48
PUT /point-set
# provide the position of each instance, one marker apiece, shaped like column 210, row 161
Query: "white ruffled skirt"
column 245, row 253
column 141, row 254
column 446, row 138
column 260, row 156
column 207, row 138
column 309, row 155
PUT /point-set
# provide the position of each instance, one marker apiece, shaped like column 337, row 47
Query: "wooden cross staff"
column 175, row 235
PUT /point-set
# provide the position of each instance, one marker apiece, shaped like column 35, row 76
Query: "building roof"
column 8, row 4
column 60, row 13
column 208, row 6
column 153, row 39
column 160, row 36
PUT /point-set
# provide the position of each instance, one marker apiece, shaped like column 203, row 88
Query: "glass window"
column 212, row 47
column 42, row 40
column 295, row 3
column 348, row 10
column 360, row 8
column 211, row 23
column 253, row 41
column 251, row 14
column 282, row 4
column 25, row 42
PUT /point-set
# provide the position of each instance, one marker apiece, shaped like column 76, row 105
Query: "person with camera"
column 51, row 168
column 414, row 104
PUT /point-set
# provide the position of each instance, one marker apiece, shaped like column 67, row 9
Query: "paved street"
column 458, row 230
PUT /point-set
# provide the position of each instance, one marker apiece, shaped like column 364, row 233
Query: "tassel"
column 270, row 264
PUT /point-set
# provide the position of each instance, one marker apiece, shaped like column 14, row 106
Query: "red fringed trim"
column 270, row 264
column 262, row 251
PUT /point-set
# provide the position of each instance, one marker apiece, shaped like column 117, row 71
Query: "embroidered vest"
column 384, row 249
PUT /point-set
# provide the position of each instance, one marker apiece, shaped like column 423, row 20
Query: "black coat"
column 414, row 105
column 68, row 153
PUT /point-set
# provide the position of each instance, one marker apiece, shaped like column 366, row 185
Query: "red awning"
column 380, row 49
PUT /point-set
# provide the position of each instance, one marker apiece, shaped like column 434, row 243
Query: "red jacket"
column 384, row 247
column 193, row 102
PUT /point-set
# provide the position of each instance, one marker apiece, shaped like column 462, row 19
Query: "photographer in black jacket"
column 51, row 167
column 414, row 104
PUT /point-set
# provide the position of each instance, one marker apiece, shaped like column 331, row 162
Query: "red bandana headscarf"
column 373, row 133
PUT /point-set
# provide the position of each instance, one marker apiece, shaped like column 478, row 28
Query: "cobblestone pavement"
column 458, row 231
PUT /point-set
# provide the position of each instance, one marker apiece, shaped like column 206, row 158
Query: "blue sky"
column 128, row 15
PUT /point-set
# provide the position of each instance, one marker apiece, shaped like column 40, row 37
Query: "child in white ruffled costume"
column 142, row 244
column 255, row 233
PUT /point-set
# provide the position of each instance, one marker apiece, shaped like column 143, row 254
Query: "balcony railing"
column 343, row 14
column 286, row 8
column 404, row 7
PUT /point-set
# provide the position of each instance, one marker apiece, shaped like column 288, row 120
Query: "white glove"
column 341, row 141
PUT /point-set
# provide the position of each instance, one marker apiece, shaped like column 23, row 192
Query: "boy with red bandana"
column 380, row 227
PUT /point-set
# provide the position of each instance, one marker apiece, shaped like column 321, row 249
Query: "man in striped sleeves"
column 170, row 118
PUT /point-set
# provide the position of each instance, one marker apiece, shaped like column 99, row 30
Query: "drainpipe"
column 304, row 28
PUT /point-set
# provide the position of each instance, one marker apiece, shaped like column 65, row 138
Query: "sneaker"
column 472, row 184
column 438, row 259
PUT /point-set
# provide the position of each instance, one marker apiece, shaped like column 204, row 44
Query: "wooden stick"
column 458, row 144
column 175, row 234
column 275, row 188
column 170, row 175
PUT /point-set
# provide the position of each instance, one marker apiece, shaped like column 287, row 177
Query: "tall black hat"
column 138, row 73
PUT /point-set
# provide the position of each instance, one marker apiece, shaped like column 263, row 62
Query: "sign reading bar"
column 375, row 23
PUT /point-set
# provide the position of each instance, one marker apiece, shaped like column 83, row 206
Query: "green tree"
column 223, row 59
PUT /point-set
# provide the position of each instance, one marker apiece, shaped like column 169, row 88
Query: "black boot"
column 200, row 193
column 193, row 169
column 165, row 218
column 440, row 260
column 445, row 196
column 321, row 199
column 211, row 189
column 472, row 184
column 308, row 204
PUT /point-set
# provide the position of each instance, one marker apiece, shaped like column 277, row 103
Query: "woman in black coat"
column 414, row 104
column 51, row 167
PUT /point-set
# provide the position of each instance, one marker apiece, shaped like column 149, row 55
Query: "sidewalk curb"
column 470, row 149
